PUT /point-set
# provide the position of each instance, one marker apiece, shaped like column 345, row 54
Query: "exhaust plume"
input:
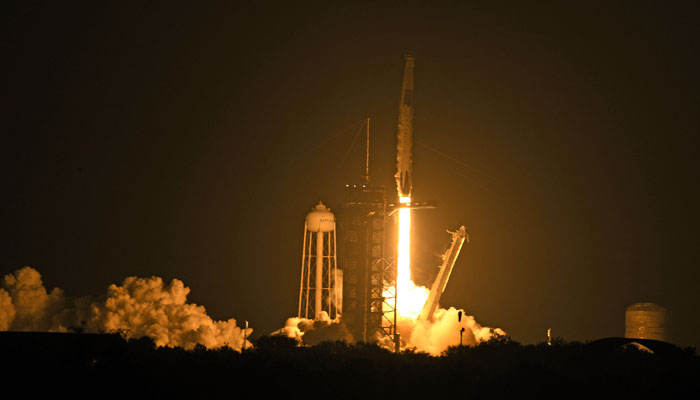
column 312, row 332
column 436, row 336
column 138, row 307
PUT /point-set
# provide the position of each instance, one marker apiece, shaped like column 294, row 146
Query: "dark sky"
column 189, row 142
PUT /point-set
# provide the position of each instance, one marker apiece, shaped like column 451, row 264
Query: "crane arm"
column 448, row 262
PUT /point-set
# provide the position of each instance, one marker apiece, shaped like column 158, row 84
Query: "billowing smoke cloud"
column 27, row 305
column 139, row 307
column 432, row 337
column 436, row 336
column 312, row 332
column 7, row 310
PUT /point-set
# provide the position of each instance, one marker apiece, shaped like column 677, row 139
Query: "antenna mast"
column 366, row 176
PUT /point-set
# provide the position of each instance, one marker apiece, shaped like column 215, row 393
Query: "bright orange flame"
column 411, row 298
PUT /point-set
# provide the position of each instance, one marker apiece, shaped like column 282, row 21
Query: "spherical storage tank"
column 320, row 219
column 647, row 321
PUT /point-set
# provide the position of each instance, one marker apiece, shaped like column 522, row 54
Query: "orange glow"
column 411, row 298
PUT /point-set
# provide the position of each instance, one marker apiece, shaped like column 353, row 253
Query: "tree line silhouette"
column 100, row 364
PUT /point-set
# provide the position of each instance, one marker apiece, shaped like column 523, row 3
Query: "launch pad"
column 364, row 290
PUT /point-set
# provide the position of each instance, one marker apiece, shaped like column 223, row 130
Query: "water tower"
column 319, row 290
column 647, row 321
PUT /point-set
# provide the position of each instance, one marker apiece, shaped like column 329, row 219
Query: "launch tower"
column 369, row 276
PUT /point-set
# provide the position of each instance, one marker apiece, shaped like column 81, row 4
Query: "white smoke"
column 312, row 332
column 432, row 337
column 436, row 336
column 7, row 310
column 30, row 307
column 139, row 307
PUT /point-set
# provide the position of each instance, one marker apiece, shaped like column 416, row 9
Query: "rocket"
column 404, row 168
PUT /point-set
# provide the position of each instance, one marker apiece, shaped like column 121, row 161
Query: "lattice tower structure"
column 369, row 276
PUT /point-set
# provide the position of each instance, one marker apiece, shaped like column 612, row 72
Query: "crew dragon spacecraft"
column 404, row 163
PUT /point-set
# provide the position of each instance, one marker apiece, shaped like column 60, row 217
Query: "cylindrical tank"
column 320, row 219
column 647, row 321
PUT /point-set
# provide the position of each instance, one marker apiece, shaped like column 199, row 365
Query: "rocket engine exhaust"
column 421, row 323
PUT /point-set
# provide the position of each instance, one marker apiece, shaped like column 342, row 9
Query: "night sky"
column 189, row 142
